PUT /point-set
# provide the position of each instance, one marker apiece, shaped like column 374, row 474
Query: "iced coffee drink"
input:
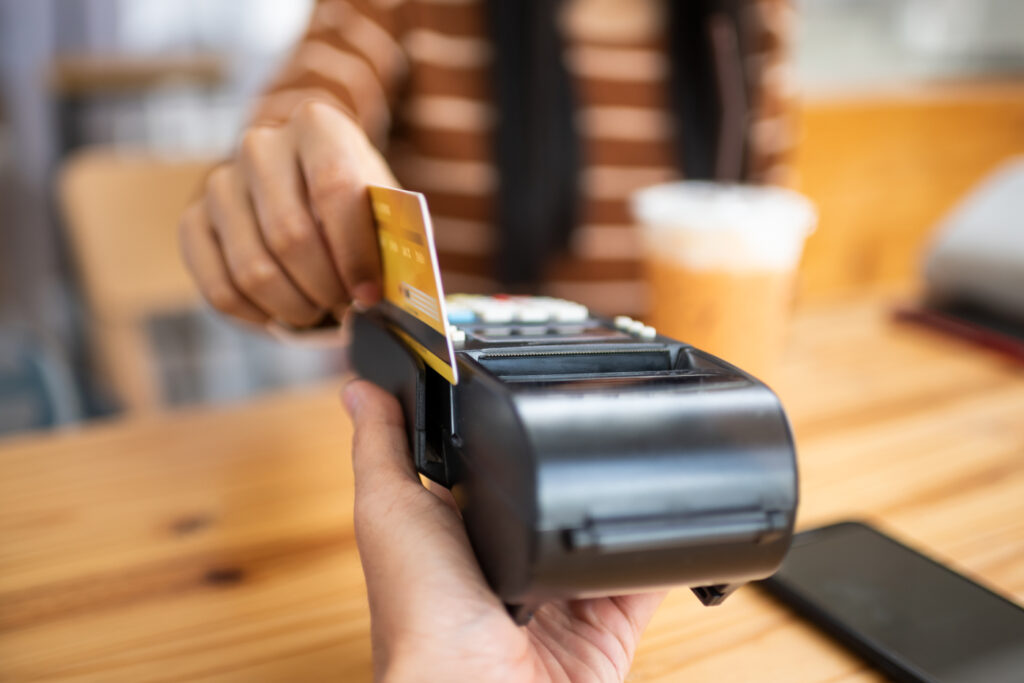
column 721, row 263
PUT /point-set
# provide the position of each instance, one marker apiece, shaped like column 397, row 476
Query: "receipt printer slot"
column 598, row 361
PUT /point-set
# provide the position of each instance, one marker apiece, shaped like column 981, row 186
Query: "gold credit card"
column 413, row 296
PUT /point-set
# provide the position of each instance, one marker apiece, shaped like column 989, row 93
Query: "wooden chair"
column 121, row 211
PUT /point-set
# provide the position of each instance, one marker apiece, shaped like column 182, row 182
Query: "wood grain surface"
column 216, row 544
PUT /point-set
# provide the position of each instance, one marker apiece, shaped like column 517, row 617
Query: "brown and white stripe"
column 415, row 74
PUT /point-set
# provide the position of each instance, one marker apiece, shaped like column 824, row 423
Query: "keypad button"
column 494, row 313
column 571, row 313
column 502, row 308
column 532, row 314
column 460, row 315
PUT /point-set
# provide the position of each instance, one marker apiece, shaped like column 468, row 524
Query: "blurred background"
column 112, row 110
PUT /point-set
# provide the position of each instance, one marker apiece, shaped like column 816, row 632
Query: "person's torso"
column 443, row 144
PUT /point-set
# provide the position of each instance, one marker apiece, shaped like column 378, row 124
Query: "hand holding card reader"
column 589, row 457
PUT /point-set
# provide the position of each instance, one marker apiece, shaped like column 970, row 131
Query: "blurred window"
column 867, row 44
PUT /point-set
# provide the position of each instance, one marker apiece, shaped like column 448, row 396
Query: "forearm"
column 282, row 231
column 351, row 58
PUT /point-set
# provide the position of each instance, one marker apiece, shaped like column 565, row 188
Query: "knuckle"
column 219, row 182
column 330, row 181
column 288, row 233
column 222, row 296
column 255, row 140
column 256, row 275
column 311, row 112
column 356, row 267
column 356, row 264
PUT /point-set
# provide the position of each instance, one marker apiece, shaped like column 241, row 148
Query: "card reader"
column 592, row 457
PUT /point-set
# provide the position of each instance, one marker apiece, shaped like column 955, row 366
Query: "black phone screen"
column 911, row 616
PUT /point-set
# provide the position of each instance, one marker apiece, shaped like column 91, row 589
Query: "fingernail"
column 366, row 293
column 351, row 399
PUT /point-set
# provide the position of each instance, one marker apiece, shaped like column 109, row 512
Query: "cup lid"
column 712, row 225
column 703, row 205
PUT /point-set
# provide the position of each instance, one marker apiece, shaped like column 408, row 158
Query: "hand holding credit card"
column 413, row 298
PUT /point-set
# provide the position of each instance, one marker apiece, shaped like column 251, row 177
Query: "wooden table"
column 217, row 544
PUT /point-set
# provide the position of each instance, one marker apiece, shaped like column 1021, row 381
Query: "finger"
column 271, row 171
column 337, row 166
column 640, row 608
column 380, row 453
column 413, row 547
column 253, row 270
column 202, row 255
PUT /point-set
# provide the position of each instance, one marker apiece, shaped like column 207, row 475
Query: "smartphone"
column 910, row 616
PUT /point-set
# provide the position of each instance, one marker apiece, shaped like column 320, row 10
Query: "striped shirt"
column 416, row 75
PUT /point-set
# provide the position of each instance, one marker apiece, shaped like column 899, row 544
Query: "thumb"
column 380, row 451
column 414, row 550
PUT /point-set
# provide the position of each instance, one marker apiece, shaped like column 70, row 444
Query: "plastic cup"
column 721, row 265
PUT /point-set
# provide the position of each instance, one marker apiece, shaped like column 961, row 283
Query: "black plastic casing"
column 598, row 467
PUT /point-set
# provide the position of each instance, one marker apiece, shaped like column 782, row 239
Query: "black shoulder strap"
column 536, row 144
column 708, row 87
